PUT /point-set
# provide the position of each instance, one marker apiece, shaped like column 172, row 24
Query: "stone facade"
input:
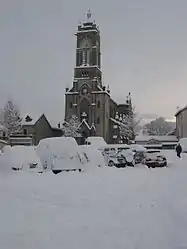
column 181, row 123
column 88, row 98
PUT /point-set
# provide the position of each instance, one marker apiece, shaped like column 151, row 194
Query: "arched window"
column 84, row 57
column 98, row 104
column 98, row 120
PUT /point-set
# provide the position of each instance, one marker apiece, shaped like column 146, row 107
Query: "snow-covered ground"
column 130, row 208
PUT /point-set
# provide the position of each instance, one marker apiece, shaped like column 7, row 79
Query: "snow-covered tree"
column 71, row 127
column 128, row 125
column 159, row 127
column 10, row 118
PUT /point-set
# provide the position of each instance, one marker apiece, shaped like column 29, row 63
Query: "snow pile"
column 93, row 156
column 137, row 147
column 59, row 153
column 96, row 141
column 19, row 157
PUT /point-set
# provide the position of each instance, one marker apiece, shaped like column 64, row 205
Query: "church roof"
column 87, row 125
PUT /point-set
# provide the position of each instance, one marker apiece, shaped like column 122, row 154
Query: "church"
column 88, row 98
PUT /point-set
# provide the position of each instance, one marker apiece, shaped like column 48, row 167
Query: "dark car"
column 154, row 158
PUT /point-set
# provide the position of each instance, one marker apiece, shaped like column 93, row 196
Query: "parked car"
column 60, row 154
column 116, row 160
column 139, row 156
column 154, row 158
column 139, row 152
column 118, row 155
column 93, row 157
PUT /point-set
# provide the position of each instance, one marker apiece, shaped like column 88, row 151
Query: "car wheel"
column 111, row 164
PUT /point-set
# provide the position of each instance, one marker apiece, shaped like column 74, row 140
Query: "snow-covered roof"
column 115, row 121
column 35, row 118
column 88, row 30
column 85, row 122
column 146, row 138
column 99, row 92
column 87, row 125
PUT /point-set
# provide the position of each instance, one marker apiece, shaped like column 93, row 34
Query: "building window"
column 84, row 74
column 70, row 105
column 98, row 104
column 4, row 134
column 98, row 120
column 25, row 132
column 84, row 57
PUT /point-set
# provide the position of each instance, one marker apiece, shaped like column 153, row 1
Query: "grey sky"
column 144, row 50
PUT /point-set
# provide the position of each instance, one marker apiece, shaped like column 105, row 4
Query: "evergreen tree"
column 11, row 118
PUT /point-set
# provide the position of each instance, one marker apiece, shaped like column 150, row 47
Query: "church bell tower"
column 88, row 55
column 87, row 98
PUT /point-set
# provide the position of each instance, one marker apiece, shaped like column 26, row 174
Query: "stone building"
column 181, row 122
column 89, row 98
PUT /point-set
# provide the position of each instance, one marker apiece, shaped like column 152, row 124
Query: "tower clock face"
column 85, row 43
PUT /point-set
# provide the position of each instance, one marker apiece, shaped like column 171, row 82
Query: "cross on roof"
column 88, row 14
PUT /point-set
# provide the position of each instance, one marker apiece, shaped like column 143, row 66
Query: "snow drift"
column 19, row 158
column 131, row 208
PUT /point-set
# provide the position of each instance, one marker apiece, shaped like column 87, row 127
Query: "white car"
column 116, row 160
column 60, row 154
column 93, row 157
column 118, row 155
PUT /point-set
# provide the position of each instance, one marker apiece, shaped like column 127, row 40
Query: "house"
column 157, row 142
column 181, row 123
column 39, row 128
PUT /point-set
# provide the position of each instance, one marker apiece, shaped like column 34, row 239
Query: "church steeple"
column 88, row 55
column 88, row 15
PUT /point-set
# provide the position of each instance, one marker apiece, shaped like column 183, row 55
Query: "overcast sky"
column 144, row 51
